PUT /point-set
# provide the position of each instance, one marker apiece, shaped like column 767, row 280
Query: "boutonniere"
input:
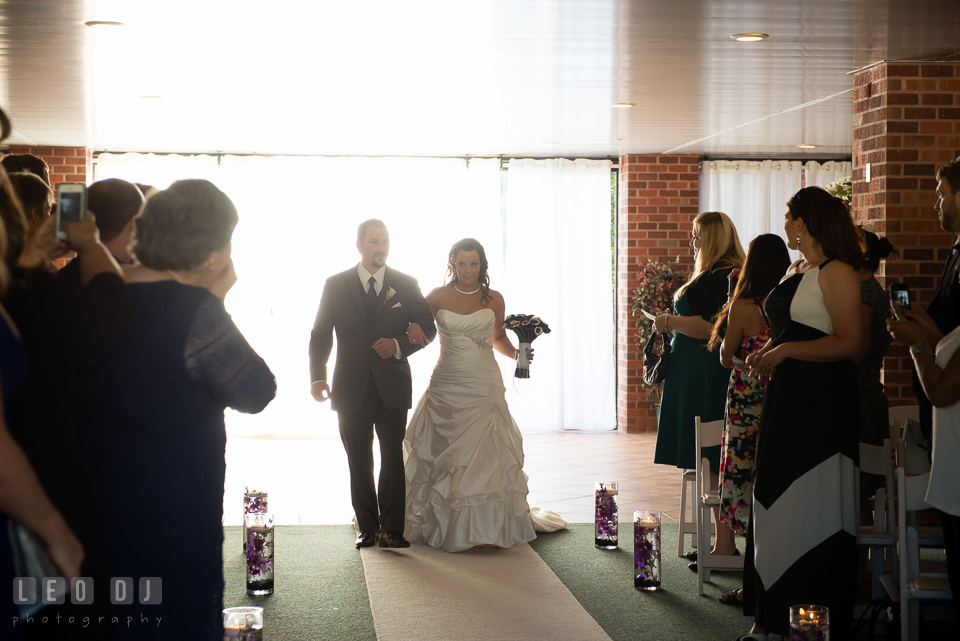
column 391, row 292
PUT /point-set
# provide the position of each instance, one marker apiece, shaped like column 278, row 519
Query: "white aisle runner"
column 492, row 594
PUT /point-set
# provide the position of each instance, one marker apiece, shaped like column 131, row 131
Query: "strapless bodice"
column 463, row 332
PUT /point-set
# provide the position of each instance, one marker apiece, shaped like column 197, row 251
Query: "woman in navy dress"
column 802, row 540
column 154, row 430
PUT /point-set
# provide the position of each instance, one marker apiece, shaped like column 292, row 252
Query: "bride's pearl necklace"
column 468, row 293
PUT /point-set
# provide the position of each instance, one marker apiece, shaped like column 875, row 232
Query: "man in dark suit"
column 380, row 318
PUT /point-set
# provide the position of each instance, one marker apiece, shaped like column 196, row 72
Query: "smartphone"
column 901, row 294
column 71, row 205
column 732, row 286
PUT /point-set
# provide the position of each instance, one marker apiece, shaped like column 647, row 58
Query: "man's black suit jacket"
column 341, row 309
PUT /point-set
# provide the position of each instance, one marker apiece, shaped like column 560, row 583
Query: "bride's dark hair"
column 470, row 245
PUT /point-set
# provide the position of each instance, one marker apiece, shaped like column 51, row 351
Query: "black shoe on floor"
column 393, row 540
column 693, row 566
column 367, row 539
column 690, row 556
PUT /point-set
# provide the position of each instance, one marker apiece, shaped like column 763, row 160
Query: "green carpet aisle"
column 430, row 595
column 320, row 590
column 602, row 581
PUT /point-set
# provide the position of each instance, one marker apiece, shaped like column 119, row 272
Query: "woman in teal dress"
column 696, row 383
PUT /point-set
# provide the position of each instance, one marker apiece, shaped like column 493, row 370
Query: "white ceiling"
column 453, row 77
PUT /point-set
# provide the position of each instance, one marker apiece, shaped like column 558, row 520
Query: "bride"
column 465, row 481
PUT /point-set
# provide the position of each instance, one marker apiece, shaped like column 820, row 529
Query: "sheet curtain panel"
column 753, row 193
column 298, row 222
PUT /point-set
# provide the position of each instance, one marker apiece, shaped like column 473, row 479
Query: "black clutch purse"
column 655, row 364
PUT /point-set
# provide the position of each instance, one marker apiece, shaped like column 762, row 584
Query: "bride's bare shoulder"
column 496, row 300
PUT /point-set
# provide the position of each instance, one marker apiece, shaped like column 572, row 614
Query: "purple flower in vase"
column 606, row 512
column 256, row 505
column 259, row 554
column 646, row 550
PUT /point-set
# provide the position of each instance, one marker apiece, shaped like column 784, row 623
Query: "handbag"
column 654, row 364
column 30, row 560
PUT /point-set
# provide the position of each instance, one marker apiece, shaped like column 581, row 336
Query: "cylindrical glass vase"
column 606, row 516
column 254, row 501
column 260, row 562
column 646, row 550
column 809, row 623
column 243, row 623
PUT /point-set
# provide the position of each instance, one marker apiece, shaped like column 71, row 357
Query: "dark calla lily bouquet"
column 527, row 328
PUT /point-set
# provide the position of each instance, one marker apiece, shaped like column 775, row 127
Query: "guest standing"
column 154, row 429
column 66, row 329
column 874, row 312
column 21, row 495
column 741, row 329
column 804, row 503
column 938, row 374
column 696, row 382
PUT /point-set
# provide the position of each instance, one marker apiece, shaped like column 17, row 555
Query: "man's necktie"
column 370, row 301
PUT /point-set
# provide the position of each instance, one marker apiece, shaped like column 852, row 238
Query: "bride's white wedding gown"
column 464, row 467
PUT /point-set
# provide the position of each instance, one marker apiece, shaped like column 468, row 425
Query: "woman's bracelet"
column 666, row 322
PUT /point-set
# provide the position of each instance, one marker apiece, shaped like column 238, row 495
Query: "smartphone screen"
column 902, row 296
column 71, row 207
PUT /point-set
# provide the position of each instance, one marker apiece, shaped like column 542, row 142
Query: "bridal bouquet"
column 527, row 327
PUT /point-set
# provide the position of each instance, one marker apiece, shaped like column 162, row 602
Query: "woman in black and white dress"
column 802, row 544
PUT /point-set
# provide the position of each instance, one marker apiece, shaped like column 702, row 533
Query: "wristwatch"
column 916, row 348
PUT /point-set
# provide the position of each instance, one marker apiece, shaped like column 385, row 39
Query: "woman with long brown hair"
column 804, row 502
column 740, row 330
column 465, row 481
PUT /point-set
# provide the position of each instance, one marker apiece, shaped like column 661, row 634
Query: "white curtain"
column 558, row 248
column 298, row 221
column 752, row 193
column 822, row 175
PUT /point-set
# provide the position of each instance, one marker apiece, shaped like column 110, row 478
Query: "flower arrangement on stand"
column 527, row 328
column 654, row 292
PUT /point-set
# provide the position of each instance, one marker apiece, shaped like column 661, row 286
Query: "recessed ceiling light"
column 807, row 146
column 749, row 37
column 103, row 24
column 622, row 105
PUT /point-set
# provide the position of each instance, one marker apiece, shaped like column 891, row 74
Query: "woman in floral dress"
column 741, row 329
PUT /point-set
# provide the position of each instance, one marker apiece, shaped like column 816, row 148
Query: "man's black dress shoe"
column 367, row 539
column 393, row 540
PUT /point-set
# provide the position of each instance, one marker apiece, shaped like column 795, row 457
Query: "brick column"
column 906, row 125
column 658, row 199
column 67, row 164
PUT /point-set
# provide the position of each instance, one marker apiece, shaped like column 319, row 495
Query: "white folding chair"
column 687, row 526
column 880, row 537
column 708, row 435
column 902, row 412
column 915, row 586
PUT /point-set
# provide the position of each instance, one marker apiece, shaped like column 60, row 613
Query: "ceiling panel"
column 508, row 77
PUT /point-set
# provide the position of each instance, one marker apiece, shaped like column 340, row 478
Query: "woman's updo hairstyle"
column 875, row 249
column 181, row 226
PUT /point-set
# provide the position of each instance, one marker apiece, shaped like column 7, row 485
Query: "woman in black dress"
column 802, row 540
column 154, row 430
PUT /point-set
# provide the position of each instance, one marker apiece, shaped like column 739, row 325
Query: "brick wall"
column 658, row 200
column 906, row 125
column 67, row 164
